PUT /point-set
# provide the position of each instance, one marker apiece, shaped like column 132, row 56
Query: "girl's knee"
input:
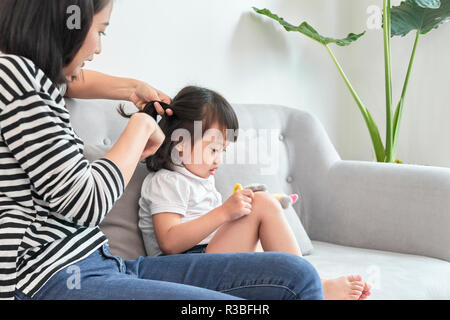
column 266, row 202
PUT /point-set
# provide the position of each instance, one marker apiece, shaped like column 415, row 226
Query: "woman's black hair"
column 191, row 104
column 39, row 30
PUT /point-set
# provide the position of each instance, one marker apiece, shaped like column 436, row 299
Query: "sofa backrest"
column 264, row 154
column 390, row 207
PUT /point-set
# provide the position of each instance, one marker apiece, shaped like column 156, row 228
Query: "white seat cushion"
column 393, row 275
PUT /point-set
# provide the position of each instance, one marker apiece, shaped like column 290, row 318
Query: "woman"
column 52, row 200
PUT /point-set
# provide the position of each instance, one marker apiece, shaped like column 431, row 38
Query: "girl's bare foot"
column 344, row 288
column 366, row 291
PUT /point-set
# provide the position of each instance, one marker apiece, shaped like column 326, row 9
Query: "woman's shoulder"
column 21, row 64
column 24, row 74
column 20, row 73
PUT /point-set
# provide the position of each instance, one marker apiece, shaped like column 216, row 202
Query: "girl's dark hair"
column 190, row 104
column 38, row 30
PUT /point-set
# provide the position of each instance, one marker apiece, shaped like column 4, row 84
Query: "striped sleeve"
column 76, row 191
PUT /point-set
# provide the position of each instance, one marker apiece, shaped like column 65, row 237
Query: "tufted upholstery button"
column 289, row 179
column 281, row 137
column 106, row 142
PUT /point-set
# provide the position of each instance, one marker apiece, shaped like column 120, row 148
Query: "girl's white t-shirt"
column 179, row 191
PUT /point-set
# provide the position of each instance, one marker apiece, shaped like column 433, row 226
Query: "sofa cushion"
column 121, row 224
column 394, row 276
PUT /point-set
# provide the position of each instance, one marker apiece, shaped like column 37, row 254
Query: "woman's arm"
column 73, row 189
column 141, row 130
column 175, row 237
column 96, row 85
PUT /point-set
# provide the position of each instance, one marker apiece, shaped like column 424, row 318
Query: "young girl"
column 182, row 212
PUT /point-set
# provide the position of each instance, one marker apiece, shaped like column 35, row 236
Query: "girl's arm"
column 175, row 237
column 96, row 85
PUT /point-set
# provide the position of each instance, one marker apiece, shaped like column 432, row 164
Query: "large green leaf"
column 410, row 16
column 309, row 31
column 434, row 4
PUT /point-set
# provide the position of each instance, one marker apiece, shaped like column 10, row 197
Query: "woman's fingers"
column 159, row 109
column 164, row 97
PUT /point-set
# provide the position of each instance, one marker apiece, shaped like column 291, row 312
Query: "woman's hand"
column 144, row 93
column 153, row 144
column 156, row 139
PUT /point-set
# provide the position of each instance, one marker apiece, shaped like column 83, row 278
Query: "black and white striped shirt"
column 52, row 199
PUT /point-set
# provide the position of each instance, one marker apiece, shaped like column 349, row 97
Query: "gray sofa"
column 390, row 223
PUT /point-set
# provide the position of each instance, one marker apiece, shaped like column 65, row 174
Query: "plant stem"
column 399, row 110
column 373, row 129
column 388, row 77
column 347, row 82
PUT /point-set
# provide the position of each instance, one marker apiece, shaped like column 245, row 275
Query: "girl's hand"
column 238, row 205
column 144, row 93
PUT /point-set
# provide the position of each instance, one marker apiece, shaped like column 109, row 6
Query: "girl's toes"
column 354, row 297
column 363, row 296
column 357, row 286
column 356, row 292
column 355, row 278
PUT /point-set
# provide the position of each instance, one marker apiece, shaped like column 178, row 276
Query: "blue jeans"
column 267, row 276
column 197, row 249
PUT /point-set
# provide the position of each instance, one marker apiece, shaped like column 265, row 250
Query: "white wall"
column 224, row 45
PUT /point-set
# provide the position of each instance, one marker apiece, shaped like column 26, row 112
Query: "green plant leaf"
column 309, row 31
column 433, row 4
column 380, row 151
column 410, row 16
column 371, row 125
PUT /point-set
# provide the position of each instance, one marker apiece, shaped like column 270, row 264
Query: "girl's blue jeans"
column 254, row 276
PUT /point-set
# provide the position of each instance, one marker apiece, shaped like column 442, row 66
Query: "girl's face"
column 204, row 158
column 92, row 44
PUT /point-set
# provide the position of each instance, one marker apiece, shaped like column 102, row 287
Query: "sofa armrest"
column 400, row 208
